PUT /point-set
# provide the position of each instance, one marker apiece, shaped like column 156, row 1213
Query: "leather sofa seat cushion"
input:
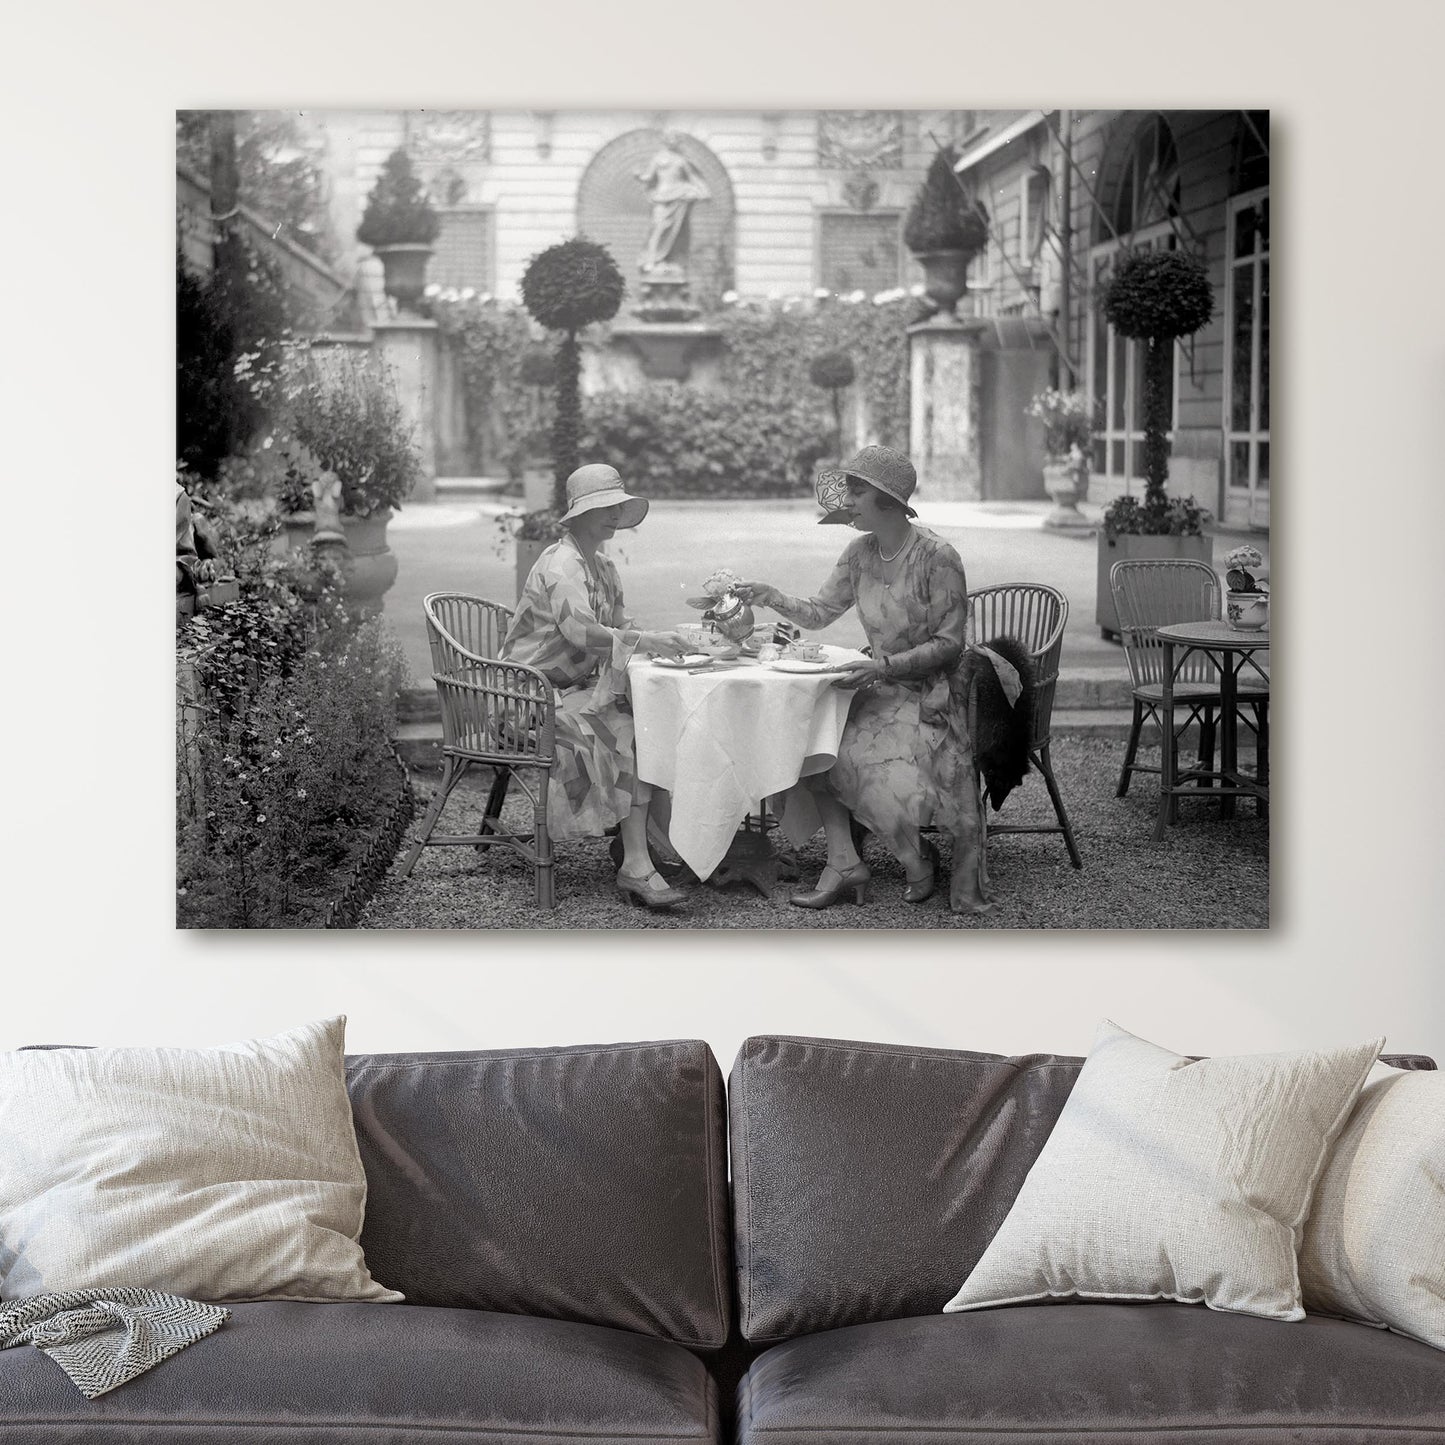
column 1104, row 1374
column 365, row 1374
column 580, row 1183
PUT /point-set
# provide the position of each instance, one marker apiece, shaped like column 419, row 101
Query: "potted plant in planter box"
column 399, row 224
column 1068, row 418
column 346, row 460
column 1155, row 297
column 945, row 231
column 565, row 288
column 538, row 375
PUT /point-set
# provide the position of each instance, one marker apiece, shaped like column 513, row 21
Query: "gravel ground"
column 1128, row 881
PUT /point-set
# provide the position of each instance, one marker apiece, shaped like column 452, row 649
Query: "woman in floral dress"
column 905, row 759
column 571, row 625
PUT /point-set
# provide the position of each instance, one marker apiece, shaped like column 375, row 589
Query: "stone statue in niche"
column 674, row 186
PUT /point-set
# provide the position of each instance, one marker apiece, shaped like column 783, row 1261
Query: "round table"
column 723, row 739
column 1231, row 650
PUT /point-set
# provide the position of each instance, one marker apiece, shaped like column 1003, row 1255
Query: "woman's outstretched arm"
column 832, row 601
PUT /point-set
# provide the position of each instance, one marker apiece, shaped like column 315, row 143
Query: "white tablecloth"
column 721, row 742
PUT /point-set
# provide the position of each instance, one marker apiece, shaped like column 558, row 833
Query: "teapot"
column 731, row 617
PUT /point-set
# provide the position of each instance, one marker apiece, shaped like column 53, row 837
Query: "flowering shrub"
column 1069, row 418
column 275, row 798
column 1244, row 570
column 283, row 755
column 338, row 413
column 1162, row 517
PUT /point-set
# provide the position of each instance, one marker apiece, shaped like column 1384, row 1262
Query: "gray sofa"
column 559, row 1221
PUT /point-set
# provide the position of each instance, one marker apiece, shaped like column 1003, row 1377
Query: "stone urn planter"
column 404, row 268
column 370, row 565
column 1247, row 611
column 1067, row 483
column 945, row 278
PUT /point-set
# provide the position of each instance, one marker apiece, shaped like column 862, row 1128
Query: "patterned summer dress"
column 906, row 759
column 571, row 625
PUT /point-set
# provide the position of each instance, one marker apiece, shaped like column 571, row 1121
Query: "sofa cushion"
column 218, row 1173
column 575, row 1183
column 1105, row 1374
column 1167, row 1177
column 314, row 1374
column 869, row 1178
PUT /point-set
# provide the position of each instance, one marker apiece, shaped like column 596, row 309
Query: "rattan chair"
column 497, row 715
column 1153, row 594
column 1034, row 614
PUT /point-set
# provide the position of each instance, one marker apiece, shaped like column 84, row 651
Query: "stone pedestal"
column 944, row 416
column 409, row 346
column 669, row 351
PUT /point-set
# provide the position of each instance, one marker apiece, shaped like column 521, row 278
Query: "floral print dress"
column 906, row 759
column 571, row 625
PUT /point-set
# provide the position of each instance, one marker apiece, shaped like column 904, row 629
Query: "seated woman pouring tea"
column 905, row 759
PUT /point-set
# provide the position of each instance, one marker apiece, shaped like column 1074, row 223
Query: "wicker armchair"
column 497, row 715
column 1153, row 594
column 1035, row 614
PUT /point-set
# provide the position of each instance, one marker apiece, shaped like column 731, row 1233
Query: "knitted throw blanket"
column 103, row 1337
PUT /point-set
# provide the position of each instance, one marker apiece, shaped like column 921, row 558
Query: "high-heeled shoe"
column 855, row 878
column 919, row 890
column 638, row 892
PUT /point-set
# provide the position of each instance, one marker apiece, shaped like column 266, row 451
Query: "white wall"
column 91, row 954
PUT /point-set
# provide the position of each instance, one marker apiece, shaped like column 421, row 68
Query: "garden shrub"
column 672, row 440
column 284, row 760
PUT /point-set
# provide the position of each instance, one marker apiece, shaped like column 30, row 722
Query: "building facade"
column 1066, row 192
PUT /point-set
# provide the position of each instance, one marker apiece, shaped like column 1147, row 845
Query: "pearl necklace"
column 906, row 540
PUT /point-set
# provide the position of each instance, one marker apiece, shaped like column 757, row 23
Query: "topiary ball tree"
column 398, row 212
column 834, row 372
column 1156, row 297
column 564, row 288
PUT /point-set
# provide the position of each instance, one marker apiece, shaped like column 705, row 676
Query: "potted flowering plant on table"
column 1068, row 418
column 400, row 225
column 1154, row 297
column 1246, row 604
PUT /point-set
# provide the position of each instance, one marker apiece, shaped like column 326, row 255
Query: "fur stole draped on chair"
column 1003, row 727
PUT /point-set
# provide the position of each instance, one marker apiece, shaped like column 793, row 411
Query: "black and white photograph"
column 723, row 518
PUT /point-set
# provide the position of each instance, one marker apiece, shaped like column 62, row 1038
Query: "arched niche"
column 613, row 208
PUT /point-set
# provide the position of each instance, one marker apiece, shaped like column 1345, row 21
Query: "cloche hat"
column 888, row 471
column 598, row 485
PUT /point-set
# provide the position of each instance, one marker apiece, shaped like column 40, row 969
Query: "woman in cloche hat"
column 571, row 625
column 905, row 759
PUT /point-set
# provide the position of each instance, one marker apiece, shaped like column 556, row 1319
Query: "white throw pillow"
column 1167, row 1178
column 220, row 1174
column 1374, row 1244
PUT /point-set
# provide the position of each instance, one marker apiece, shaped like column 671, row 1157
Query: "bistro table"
column 1231, row 650
column 723, row 739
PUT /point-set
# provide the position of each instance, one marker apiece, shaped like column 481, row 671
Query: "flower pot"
column 371, row 568
column 1247, row 611
column 368, row 562
column 945, row 277
column 405, row 273
column 1068, row 484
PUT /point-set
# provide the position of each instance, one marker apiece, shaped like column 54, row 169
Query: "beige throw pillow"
column 221, row 1174
column 1374, row 1243
column 1167, row 1178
